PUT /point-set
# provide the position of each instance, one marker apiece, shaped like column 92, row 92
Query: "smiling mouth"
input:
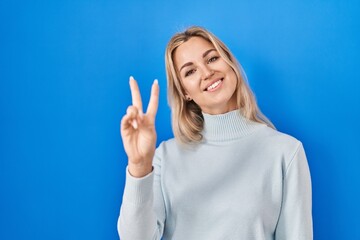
column 214, row 85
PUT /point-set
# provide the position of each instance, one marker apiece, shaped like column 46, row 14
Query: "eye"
column 188, row 73
column 213, row 59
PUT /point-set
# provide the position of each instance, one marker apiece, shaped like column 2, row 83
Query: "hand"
column 138, row 131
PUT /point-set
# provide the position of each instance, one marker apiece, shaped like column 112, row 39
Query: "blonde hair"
column 187, row 118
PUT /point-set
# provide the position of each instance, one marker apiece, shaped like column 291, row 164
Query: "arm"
column 138, row 131
column 142, row 213
column 295, row 221
column 137, row 217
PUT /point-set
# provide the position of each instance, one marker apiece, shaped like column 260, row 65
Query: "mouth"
column 214, row 85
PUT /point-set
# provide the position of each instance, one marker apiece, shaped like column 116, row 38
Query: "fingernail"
column 134, row 124
column 156, row 81
column 131, row 78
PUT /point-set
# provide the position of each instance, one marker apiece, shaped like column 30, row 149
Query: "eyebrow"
column 204, row 55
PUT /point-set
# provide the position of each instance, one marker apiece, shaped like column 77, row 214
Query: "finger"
column 154, row 100
column 125, row 123
column 135, row 94
column 131, row 116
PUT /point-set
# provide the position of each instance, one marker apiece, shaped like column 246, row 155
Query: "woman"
column 227, row 174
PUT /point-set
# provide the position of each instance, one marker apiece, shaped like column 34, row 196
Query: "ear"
column 187, row 97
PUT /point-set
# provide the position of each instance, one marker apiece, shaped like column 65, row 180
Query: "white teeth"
column 214, row 85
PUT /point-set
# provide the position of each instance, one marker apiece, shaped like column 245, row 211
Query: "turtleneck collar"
column 228, row 126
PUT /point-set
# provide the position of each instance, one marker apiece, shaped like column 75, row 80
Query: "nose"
column 206, row 72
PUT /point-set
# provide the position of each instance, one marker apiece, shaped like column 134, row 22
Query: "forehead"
column 192, row 49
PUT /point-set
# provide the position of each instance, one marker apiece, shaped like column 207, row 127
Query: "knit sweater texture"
column 244, row 181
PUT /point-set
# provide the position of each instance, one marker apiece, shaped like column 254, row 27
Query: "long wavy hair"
column 187, row 118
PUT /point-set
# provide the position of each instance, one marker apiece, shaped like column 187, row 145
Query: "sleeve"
column 142, row 213
column 295, row 221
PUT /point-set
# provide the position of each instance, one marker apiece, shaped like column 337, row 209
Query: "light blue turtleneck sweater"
column 245, row 181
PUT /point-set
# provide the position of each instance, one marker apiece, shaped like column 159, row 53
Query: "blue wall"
column 64, row 68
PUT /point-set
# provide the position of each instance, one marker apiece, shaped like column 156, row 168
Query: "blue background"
column 64, row 69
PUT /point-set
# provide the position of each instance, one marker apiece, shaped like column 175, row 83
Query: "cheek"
column 185, row 87
column 233, row 76
column 190, row 85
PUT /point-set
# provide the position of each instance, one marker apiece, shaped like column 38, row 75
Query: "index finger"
column 135, row 94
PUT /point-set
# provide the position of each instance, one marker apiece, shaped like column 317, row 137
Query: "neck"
column 228, row 126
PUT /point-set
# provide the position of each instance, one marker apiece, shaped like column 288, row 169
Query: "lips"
column 213, row 85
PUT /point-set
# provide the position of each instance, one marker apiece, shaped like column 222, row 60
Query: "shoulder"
column 276, row 143
column 167, row 147
column 276, row 138
column 173, row 150
column 167, row 154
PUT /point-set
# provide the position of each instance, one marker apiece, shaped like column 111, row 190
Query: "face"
column 206, row 77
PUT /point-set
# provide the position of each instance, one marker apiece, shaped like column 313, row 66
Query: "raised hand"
column 138, row 131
